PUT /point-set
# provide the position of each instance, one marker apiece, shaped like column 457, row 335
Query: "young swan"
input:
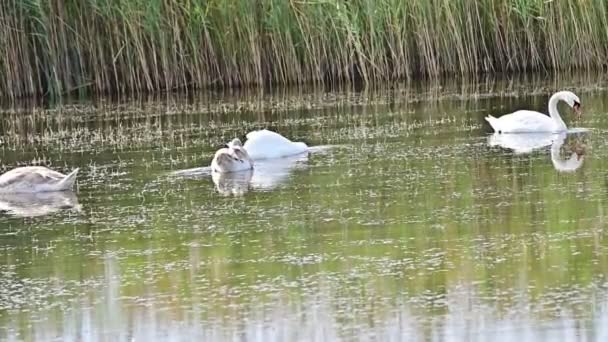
column 232, row 158
column 31, row 179
column 527, row 121
column 240, row 151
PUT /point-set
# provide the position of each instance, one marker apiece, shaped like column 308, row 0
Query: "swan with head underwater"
column 33, row 179
column 260, row 145
column 232, row 158
column 527, row 121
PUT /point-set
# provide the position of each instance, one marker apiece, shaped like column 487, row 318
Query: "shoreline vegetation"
column 137, row 46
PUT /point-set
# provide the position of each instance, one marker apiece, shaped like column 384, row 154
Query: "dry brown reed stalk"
column 115, row 46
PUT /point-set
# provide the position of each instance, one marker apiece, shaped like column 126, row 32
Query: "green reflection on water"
column 409, row 227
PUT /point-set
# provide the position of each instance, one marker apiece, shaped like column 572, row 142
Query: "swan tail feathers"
column 68, row 182
column 493, row 122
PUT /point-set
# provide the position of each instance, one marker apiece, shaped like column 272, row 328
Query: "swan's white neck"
column 560, row 125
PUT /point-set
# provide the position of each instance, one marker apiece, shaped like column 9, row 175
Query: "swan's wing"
column 524, row 121
column 255, row 134
column 265, row 136
column 240, row 153
column 31, row 175
column 223, row 157
column 227, row 160
column 265, row 144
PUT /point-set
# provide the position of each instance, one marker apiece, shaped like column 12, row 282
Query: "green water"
column 406, row 225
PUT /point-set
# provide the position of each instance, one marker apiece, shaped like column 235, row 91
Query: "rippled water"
column 412, row 223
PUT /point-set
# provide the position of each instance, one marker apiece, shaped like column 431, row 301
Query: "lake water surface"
column 411, row 225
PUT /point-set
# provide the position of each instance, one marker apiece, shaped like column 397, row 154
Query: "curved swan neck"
column 554, row 113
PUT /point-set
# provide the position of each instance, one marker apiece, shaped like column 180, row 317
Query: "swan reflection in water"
column 577, row 154
column 232, row 183
column 37, row 204
column 266, row 175
column 527, row 142
column 523, row 143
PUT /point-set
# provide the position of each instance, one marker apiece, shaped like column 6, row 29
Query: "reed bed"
column 134, row 46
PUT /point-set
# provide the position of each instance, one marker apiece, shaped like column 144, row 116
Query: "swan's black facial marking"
column 577, row 109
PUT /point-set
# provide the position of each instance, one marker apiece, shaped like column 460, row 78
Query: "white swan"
column 232, row 158
column 265, row 144
column 30, row 179
column 526, row 121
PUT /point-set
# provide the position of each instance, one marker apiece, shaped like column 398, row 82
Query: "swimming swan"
column 30, row 179
column 265, row 144
column 527, row 121
column 232, row 158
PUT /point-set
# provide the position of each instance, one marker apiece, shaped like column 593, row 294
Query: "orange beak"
column 577, row 110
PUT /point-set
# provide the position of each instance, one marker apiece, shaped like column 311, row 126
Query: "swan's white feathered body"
column 30, row 179
column 231, row 159
column 527, row 121
column 524, row 121
column 265, row 144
